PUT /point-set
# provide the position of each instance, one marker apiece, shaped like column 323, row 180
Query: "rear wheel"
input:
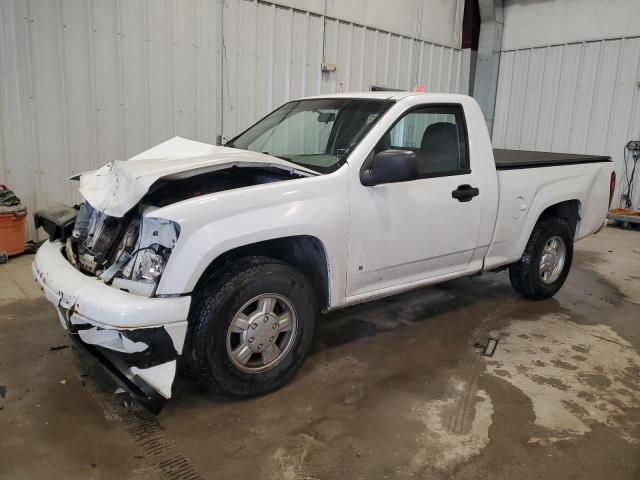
column 252, row 327
column 546, row 261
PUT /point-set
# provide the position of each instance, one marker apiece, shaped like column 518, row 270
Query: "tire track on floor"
column 160, row 452
column 464, row 387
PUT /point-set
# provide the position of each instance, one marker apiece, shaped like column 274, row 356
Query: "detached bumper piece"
column 135, row 386
column 142, row 361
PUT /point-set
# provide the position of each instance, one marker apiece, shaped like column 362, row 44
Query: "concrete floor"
column 392, row 389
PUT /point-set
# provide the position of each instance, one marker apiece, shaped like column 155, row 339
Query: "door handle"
column 464, row 193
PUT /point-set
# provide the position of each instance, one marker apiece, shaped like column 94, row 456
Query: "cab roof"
column 383, row 95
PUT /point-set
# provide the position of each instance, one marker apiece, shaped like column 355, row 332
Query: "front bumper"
column 137, row 339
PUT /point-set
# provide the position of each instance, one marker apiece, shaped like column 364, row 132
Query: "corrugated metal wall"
column 576, row 98
column 273, row 54
column 85, row 82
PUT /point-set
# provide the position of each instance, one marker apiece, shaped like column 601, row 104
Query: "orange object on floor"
column 12, row 233
column 12, row 225
column 625, row 211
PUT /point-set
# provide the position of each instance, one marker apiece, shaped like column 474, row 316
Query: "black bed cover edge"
column 510, row 159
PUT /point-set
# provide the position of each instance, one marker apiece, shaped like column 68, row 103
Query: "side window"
column 437, row 135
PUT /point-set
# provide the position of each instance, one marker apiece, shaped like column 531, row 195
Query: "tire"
column 526, row 275
column 210, row 344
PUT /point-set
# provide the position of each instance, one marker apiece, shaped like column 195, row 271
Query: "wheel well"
column 303, row 252
column 568, row 210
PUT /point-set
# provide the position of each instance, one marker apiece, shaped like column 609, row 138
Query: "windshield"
column 318, row 134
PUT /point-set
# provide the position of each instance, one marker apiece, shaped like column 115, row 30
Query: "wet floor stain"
column 440, row 448
column 571, row 392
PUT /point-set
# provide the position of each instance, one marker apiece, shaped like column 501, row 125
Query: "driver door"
column 406, row 232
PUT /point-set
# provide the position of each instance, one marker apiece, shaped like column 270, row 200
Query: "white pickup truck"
column 222, row 257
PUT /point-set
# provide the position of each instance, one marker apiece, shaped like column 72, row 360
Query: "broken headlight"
column 141, row 261
column 149, row 267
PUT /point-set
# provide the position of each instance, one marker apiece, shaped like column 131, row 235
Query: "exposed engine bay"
column 130, row 252
column 181, row 186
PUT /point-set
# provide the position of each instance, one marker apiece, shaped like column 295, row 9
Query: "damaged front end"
column 105, row 258
column 128, row 253
column 101, row 272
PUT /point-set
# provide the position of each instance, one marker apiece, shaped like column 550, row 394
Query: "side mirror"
column 390, row 166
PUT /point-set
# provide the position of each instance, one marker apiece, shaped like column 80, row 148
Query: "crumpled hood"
column 118, row 186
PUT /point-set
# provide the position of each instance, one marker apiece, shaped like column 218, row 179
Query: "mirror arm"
column 366, row 172
column 366, row 178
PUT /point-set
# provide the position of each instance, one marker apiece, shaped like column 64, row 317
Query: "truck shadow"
column 477, row 296
column 455, row 308
column 423, row 305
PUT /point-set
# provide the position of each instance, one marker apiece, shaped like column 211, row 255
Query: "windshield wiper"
column 300, row 164
column 281, row 157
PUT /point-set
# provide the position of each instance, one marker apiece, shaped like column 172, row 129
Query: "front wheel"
column 252, row 327
column 546, row 260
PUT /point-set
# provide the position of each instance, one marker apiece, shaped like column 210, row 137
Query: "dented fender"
column 211, row 225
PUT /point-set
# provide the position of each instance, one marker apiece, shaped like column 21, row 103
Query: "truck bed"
column 510, row 159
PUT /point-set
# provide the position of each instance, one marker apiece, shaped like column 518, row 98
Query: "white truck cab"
column 221, row 257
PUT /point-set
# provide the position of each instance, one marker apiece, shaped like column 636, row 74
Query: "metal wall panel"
column 84, row 82
column 274, row 53
column 576, row 98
